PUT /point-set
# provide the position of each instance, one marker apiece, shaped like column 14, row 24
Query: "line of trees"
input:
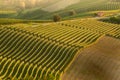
column 115, row 20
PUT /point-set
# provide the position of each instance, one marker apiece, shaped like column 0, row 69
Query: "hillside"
column 33, row 14
column 81, row 8
column 59, row 39
column 46, row 50
column 100, row 61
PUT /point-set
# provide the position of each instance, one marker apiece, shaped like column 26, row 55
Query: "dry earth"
column 100, row 61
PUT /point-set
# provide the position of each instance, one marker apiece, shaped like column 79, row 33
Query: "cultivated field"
column 100, row 61
column 44, row 51
column 59, row 39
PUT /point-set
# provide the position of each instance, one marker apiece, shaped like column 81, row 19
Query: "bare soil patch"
column 100, row 61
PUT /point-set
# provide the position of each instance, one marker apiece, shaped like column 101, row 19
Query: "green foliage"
column 28, row 78
column 56, row 18
column 115, row 20
column 50, row 77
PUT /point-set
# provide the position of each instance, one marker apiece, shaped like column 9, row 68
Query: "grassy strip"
column 5, row 21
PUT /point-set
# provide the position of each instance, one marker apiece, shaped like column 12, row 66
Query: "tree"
column 72, row 12
column 56, row 18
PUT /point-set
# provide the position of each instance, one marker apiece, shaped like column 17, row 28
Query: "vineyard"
column 45, row 51
column 95, row 26
column 83, row 8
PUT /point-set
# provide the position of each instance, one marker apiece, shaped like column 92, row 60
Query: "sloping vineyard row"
column 40, row 51
column 101, row 6
column 95, row 26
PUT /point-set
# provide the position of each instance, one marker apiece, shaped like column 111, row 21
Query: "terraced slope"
column 40, row 52
column 45, row 51
column 100, row 61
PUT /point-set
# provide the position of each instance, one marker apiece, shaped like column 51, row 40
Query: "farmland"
column 96, row 62
column 44, row 51
column 57, row 40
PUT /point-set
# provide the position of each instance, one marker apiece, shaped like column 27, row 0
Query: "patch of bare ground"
column 100, row 61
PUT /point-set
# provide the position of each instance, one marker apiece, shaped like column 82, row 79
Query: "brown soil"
column 100, row 61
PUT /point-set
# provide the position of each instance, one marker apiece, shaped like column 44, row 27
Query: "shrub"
column 115, row 20
column 56, row 18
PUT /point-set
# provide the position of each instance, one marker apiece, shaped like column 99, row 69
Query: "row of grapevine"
column 95, row 26
column 40, row 51
column 102, row 6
